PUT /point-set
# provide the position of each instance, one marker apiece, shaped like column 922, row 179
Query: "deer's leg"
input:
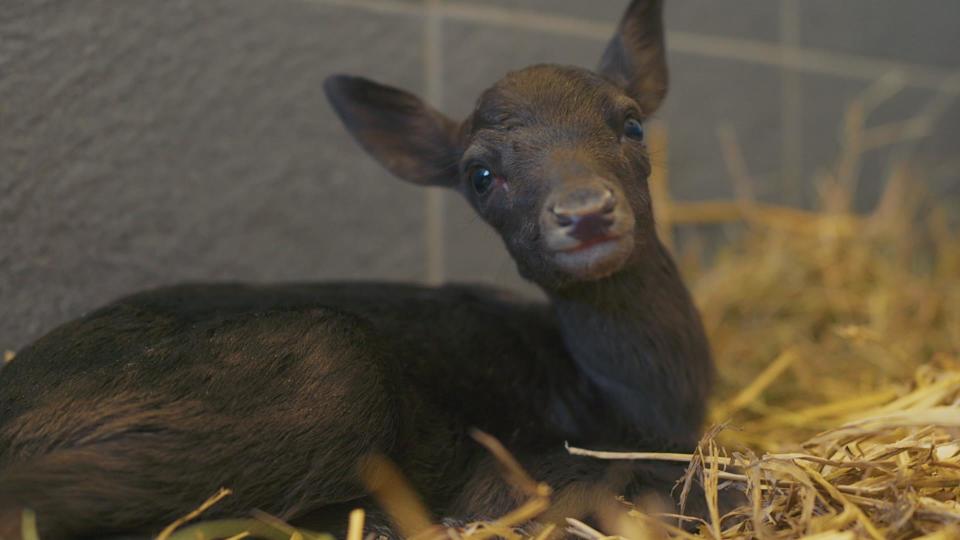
column 583, row 488
column 579, row 487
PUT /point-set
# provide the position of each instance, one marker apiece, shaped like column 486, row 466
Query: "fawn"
column 127, row 418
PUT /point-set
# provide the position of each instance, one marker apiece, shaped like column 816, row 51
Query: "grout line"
column 849, row 66
column 747, row 50
column 791, row 107
column 434, row 197
column 389, row 7
column 528, row 20
column 866, row 68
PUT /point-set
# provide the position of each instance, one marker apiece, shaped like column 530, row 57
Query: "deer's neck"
column 637, row 337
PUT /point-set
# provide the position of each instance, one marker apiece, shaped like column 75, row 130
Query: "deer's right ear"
column 405, row 135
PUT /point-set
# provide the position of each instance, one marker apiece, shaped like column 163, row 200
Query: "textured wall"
column 146, row 142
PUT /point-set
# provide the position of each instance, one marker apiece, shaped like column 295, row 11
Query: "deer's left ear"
column 636, row 56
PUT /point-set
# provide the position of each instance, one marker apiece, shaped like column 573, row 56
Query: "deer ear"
column 405, row 135
column 635, row 58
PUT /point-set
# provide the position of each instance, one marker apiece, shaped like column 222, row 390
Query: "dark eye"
column 481, row 178
column 633, row 128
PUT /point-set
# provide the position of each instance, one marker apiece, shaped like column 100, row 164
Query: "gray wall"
column 147, row 142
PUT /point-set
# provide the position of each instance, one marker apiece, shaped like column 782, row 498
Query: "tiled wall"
column 144, row 143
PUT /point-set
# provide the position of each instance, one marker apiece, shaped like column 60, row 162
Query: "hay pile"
column 831, row 317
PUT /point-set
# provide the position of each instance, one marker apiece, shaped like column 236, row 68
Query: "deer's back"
column 337, row 361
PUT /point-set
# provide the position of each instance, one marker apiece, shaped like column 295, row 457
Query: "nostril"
column 575, row 206
column 562, row 219
column 609, row 201
column 591, row 227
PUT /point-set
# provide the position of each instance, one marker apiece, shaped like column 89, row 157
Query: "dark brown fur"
column 123, row 420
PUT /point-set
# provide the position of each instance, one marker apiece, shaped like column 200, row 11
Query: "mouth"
column 592, row 242
column 595, row 258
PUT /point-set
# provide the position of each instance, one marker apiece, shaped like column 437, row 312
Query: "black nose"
column 586, row 212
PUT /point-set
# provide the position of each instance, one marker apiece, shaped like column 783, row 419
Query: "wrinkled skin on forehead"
column 542, row 125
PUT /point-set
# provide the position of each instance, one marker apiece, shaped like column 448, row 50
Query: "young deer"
column 129, row 417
